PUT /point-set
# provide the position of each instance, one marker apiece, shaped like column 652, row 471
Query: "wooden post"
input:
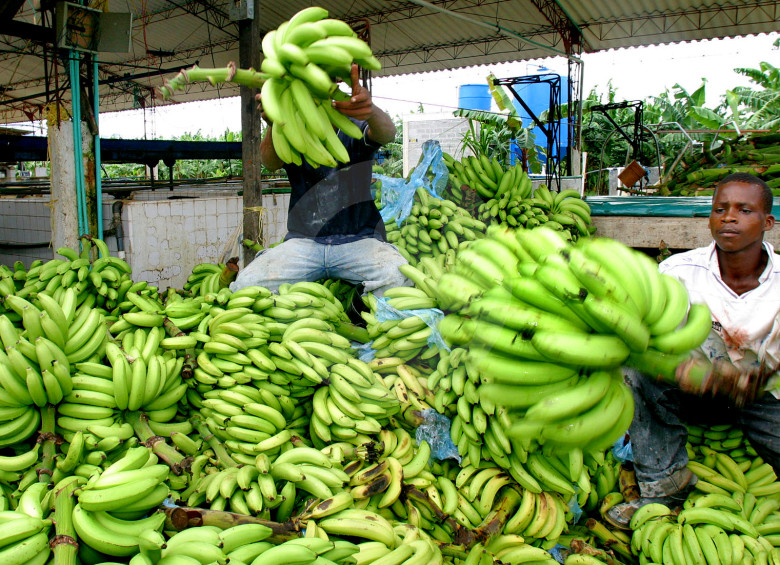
column 249, row 38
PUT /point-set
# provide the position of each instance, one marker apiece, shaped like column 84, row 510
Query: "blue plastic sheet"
column 365, row 351
column 435, row 429
column 398, row 194
column 558, row 554
column 574, row 506
column 431, row 317
column 622, row 450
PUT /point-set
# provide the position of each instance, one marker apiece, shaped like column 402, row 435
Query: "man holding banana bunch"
column 738, row 277
column 334, row 227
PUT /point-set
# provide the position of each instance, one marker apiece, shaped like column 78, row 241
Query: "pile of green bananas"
column 402, row 337
column 487, row 177
column 507, row 197
column 731, row 517
column 434, row 227
column 93, row 273
column 571, row 317
column 253, row 406
column 564, row 211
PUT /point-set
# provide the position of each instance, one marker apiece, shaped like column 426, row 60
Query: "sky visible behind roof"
column 635, row 73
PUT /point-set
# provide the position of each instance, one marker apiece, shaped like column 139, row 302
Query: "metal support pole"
column 98, row 181
column 74, row 59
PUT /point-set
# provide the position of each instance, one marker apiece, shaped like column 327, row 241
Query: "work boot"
column 619, row 516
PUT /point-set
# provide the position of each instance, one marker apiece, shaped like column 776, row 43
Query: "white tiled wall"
column 274, row 217
column 24, row 221
column 163, row 238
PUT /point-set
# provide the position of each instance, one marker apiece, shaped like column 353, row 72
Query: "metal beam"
column 759, row 13
column 23, row 30
column 9, row 8
column 14, row 148
column 563, row 24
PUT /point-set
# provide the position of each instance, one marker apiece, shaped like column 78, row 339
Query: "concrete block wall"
column 164, row 237
column 274, row 217
column 446, row 129
column 25, row 221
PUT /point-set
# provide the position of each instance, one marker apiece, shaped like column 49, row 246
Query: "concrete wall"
column 165, row 233
column 419, row 128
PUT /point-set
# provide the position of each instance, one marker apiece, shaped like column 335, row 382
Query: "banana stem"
column 172, row 330
column 157, row 444
column 579, row 546
column 229, row 272
column 607, row 537
column 214, row 443
column 64, row 543
column 49, row 440
column 494, row 522
column 178, row 518
column 230, row 73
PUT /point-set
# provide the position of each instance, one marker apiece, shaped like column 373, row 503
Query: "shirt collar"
column 715, row 266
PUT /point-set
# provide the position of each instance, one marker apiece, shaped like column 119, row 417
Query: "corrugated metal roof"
column 408, row 36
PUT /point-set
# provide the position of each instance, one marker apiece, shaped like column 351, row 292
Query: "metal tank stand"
column 551, row 127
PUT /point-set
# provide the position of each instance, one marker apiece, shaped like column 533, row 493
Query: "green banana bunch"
column 353, row 406
column 204, row 279
column 435, row 227
column 24, row 538
column 105, row 278
column 302, row 57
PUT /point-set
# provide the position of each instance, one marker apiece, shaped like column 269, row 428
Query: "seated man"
column 738, row 277
column 334, row 227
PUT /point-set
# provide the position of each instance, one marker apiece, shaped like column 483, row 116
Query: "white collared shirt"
column 745, row 328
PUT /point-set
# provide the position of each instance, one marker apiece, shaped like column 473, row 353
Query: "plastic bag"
column 435, row 429
column 398, row 194
column 365, row 351
column 431, row 317
column 558, row 554
column 574, row 506
column 622, row 450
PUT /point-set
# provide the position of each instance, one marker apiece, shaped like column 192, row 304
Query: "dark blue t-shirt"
column 334, row 205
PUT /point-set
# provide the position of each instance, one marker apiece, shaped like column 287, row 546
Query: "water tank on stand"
column 536, row 95
column 474, row 97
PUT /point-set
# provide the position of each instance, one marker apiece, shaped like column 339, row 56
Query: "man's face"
column 737, row 219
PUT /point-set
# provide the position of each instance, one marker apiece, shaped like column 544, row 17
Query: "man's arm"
column 268, row 157
column 360, row 106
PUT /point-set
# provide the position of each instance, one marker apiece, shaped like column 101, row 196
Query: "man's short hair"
column 747, row 178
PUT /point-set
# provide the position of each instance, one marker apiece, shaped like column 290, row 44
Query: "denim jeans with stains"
column 658, row 432
column 368, row 261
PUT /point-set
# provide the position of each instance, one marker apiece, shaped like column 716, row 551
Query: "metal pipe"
column 98, row 181
column 494, row 27
column 77, row 149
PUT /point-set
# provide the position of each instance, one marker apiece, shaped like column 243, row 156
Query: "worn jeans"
column 368, row 261
column 658, row 432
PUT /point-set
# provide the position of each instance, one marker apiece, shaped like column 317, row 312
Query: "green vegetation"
column 185, row 168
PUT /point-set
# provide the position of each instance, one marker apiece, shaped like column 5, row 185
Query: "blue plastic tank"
column 537, row 97
column 474, row 97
